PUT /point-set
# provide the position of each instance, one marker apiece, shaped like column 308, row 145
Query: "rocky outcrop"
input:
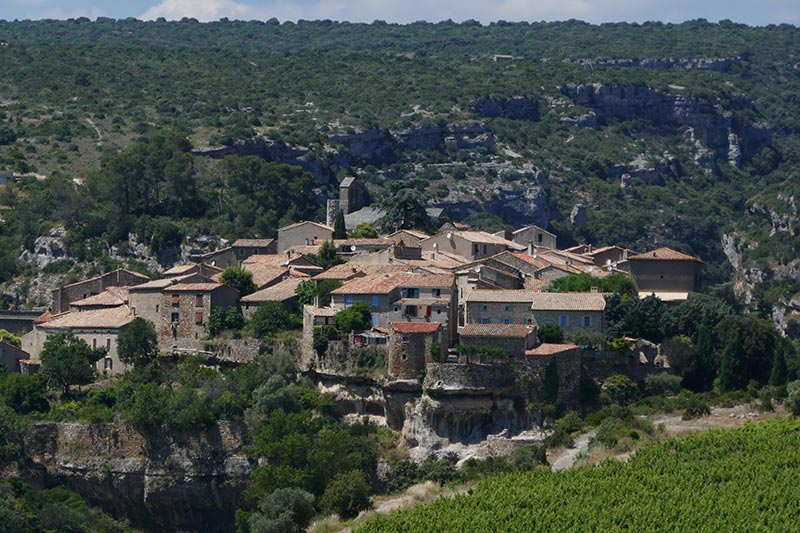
column 713, row 125
column 517, row 107
column 157, row 479
column 577, row 216
column 716, row 64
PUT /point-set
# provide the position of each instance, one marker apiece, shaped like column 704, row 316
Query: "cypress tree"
column 733, row 368
column 339, row 229
column 777, row 376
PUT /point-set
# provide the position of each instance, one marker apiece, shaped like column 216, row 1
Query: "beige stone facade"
column 303, row 234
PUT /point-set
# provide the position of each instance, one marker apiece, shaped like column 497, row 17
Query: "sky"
column 753, row 12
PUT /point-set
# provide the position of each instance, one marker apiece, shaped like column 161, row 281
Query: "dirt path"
column 96, row 129
column 570, row 455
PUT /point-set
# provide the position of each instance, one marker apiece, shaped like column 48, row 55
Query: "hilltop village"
column 459, row 313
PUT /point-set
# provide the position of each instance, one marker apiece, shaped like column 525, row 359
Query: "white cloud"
column 203, row 10
column 594, row 11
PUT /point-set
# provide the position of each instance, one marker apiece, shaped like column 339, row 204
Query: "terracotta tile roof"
column 568, row 301
column 663, row 254
column 43, row 318
column 296, row 260
column 496, row 330
column 415, row 327
column 180, row 269
column 484, row 237
column 429, row 280
column 321, row 311
column 265, row 274
column 373, row 284
column 365, row 242
column 110, row 318
column 412, row 232
column 550, row 349
column 297, row 224
column 277, row 293
column 111, row 297
column 350, row 270
column 253, row 243
column 303, row 249
column 158, row 284
column 532, row 226
column 194, row 287
column 562, row 257
column 501, row 296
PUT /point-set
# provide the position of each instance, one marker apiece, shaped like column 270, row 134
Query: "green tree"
column 240, row 279
column 327, row 257
column 405, row 209
column 680, row 352
column 346, row 495
column 288, row 510
column 268, row 319
column 357, row 317
column 620, row 389
column 364, row 230
column 68, row 360
column 308, row 291
column 778, row 373
column 24, row 393
column 137, row 344
column 339, row 229
column 551, row 334
column 733, row 367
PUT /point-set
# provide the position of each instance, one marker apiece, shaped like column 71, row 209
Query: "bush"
column 346, row 495
column 528, row 457
column 793, row 397
column 662, row 383
column 357, row 317
column 441, row 471
column 284, row 511
column 695, row 409
column 619, row 389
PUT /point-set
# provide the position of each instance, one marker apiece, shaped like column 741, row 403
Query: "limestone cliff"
column 158, row 480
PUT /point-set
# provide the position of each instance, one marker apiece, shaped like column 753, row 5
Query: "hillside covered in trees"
column 633, row 134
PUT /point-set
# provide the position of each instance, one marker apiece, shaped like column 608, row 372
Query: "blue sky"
column 754, row 12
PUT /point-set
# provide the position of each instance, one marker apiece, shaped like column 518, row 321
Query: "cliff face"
column 711, row 124
column 158, row 480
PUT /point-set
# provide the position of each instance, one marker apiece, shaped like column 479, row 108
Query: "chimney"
column 530, row 248
column 590, row 248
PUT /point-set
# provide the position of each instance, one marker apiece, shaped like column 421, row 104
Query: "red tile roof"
column 110, row 318
column 415, row 327
column 550, row 349
column 501, row 296
column 253, row 243
column 374, row 284
column 278, row 293
column 663, row 254
column 193, row 287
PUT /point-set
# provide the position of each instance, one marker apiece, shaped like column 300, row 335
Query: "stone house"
column 99, row 328
column 500, row 307
column 288, row 259
column 378, row 291
column 202, row 269
column 410, row 237
column 668, row 274
column 10, row 356
column 314, row 317
column 513, row 339
column 63, row 296
column 428, row 298
column 180, row 307
column 410, row 345
column 471, row 245
column 574, row 312
column 283, row 292
column 305, row 233
column 532, row 234
column 237, row 252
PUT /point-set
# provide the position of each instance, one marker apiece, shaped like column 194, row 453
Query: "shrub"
column 695, row 409
column 619, row 389
column 287, row 510
column 662, row 383
column 346, row 495
column 528, row 457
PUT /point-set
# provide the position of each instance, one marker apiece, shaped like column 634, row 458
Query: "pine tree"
column 339, row 229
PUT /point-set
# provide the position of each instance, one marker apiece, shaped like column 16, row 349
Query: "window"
column 539, row 237
column 175, row 317
column 506, row 321
column 484, row 249
column 94, row 344
column 484, row 307
column 436, row 293
column 241, row 251
column 486, row 320
column 409, row 293
column 411, row 310
column 587, row 321
column 375, row 318
column 348, row 300
column 438, row 311
column 475, row 249
column 156, row 308
column 508, row 308
column 108, row 344
column 563, row 321
column 133, row 311
column 176, row 299
column 375, row 300
column 198, row 318
column 108, row 364
column 198, row 300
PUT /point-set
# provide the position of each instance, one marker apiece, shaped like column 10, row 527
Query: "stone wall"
column 408, row 354
column 475, row 379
